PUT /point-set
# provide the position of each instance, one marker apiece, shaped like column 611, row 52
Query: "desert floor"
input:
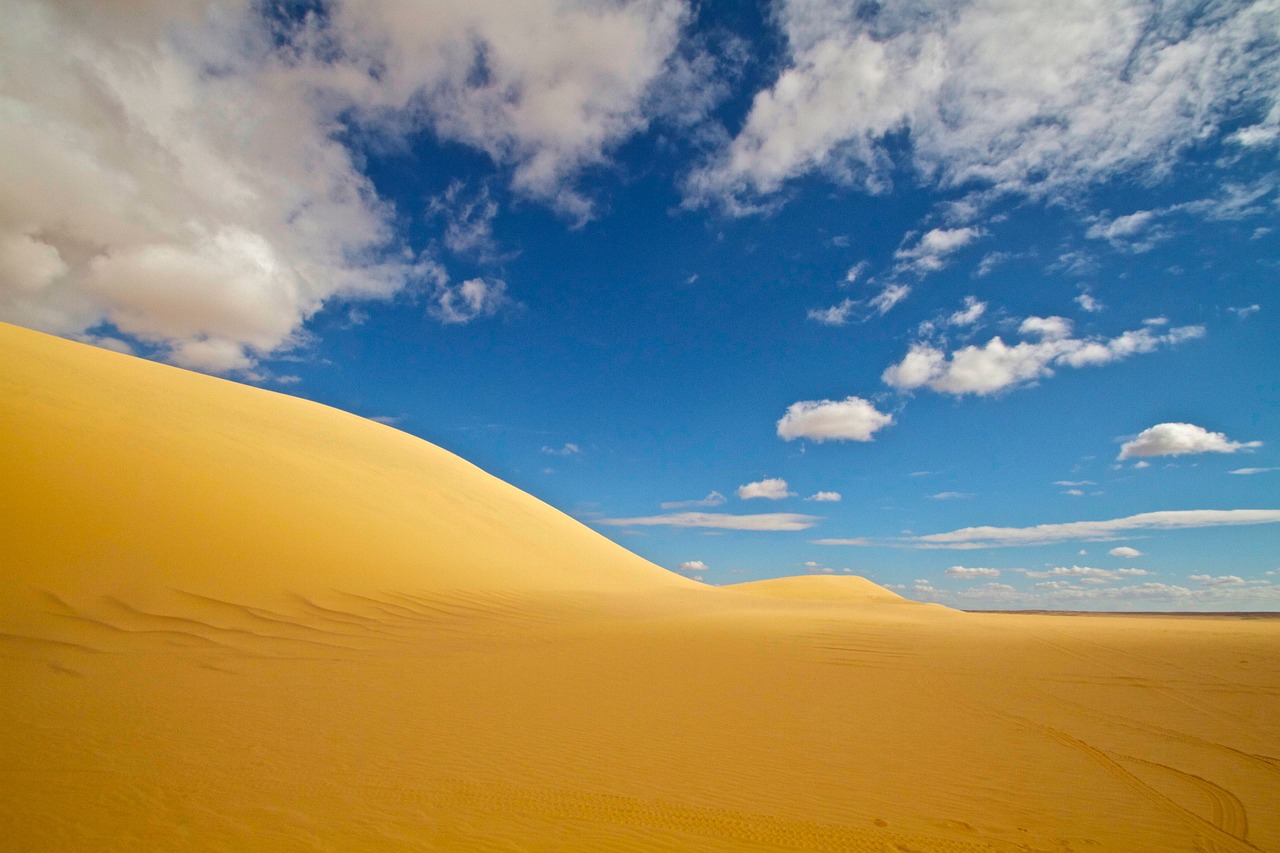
column 234, row 620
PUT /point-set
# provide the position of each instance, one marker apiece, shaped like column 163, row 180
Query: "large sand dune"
column 235, row 620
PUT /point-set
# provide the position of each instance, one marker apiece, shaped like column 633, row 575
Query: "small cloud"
column 1074, row 483
column 1246, row 311
column 691, row 279
column 569, row 449
column 824, row 496
column 1179, row 439
column 969, row 574
column 857, row 541
column 837, row 315
column 850, row 419
column 1088, row 303
column 713, row 499
column 474, row 298
column 1074, row 492
column 855, row 272
column 950, row 496
column 1125, row 551
column 889, row 297
column 1249, row 471
column 773, row 488
column 1140, row 464
column 930, row 253
column 692, row 566
column 970, row 314
column 389, row 420
column 1220, row 580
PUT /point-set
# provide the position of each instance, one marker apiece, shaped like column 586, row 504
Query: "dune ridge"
column 231, row 619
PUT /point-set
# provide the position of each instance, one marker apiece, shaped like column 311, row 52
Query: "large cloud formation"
column 174, row 169
column 1035, row 99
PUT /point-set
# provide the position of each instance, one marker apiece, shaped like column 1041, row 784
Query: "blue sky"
column 976, row 299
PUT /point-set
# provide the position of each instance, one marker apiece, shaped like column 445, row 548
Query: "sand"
column 234, row 620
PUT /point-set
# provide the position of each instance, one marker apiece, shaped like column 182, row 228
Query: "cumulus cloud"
column 1088, row 303
column 713, row 499
column 769, row 521
column 772, row 488
column 1041, row 102
column 174, row 169
column 1135, row 232
column 1125, row 551
column 850, row 419
column 828, row 497
column 1044, row 534
column 1178, row 439
column 692, row 566
column 996, row 366
column 966, row 573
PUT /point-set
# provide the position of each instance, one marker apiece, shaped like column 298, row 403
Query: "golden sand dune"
column 234, row 620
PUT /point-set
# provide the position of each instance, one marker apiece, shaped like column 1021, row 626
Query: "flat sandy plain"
column 234, row 620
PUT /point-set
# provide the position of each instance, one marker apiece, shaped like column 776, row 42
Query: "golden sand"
column 235, row 620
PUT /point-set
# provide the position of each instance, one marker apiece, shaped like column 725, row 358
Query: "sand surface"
column 233, row 620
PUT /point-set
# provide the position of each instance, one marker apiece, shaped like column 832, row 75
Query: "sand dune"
column 240, row 621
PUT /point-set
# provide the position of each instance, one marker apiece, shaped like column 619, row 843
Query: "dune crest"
column 846, row 589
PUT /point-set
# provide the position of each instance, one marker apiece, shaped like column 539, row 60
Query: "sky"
column 975, row 299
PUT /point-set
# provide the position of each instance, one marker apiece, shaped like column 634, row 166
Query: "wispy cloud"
column 1044, row 534
column 825, row 497
column 769, row 521
column 569, row 449
column 713, row 499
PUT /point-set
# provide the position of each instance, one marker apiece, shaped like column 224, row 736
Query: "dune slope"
column 235, row 620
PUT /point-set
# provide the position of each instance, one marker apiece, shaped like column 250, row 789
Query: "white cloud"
column 174, row 168
column 890, row 296
column 970, row 314
column 950, row 496
column 1074, row 483
column 772, row 488
column 930, row 253
column 1042, row 101
column 692, row 566
column 1248, row 471
column 1178, row 439
column 1088, row 573
column 855, row 272
column 966, row 573
column 473, row 298
column 1125, row 551
column 1043, row 534
column 837, row 315
column 1136, row 232
column 996, row 366
column 852, row 419
column 569, row 449
column 713, row 499
column 469, row 219
column 856, row 541
column 1246, row 311
column 769, row 521
column 828, row 497
column 1088, row 303
column 1221, row 580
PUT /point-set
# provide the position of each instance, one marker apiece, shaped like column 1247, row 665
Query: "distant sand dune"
column 236, row 620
